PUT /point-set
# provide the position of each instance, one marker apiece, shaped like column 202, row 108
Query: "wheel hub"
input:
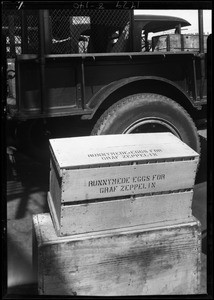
column 146, row 125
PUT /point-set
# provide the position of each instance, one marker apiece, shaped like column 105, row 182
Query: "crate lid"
column 97, row 150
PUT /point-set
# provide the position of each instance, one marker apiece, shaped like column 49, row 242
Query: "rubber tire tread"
column 129, row 109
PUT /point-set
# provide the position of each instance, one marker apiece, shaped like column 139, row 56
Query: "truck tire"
column 142, row 113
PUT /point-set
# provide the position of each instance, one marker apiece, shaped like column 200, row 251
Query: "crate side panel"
column 37, row 258
column 96, row 216
column 150, row 262
column 55, row 188
column 96, row 183
column 55, row 219
column 191, row 42
column 170, row 42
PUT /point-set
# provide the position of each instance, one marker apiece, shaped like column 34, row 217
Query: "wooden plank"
column 55, row 185
column 163, row 260
column 120, row 213
column 55, row 214
column 109, row 149
column 97, row 183
column 46, row 233
column 168, row 42
column 178, row 42
column 191, row 42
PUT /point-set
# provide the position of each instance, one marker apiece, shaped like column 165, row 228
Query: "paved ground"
column 27, row 185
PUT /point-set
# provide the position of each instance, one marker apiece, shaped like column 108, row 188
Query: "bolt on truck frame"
column 100, row 65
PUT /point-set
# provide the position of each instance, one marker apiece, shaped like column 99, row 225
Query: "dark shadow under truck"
column 100, row 69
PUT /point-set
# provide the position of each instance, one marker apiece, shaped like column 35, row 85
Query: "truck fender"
column 99, row 97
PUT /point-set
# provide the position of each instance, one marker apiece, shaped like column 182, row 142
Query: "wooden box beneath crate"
column 86, row 172
column 163, row 259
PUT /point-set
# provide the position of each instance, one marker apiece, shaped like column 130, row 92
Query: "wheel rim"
column 146, row 125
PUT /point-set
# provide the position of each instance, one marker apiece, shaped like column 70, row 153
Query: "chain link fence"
column 90, row 31
column 70, row 31
column 21, row 29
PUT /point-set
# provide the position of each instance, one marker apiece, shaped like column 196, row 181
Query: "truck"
column 71, row 67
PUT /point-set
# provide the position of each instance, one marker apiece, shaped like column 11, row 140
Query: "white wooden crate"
column 163, row 259
column 106, row 168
